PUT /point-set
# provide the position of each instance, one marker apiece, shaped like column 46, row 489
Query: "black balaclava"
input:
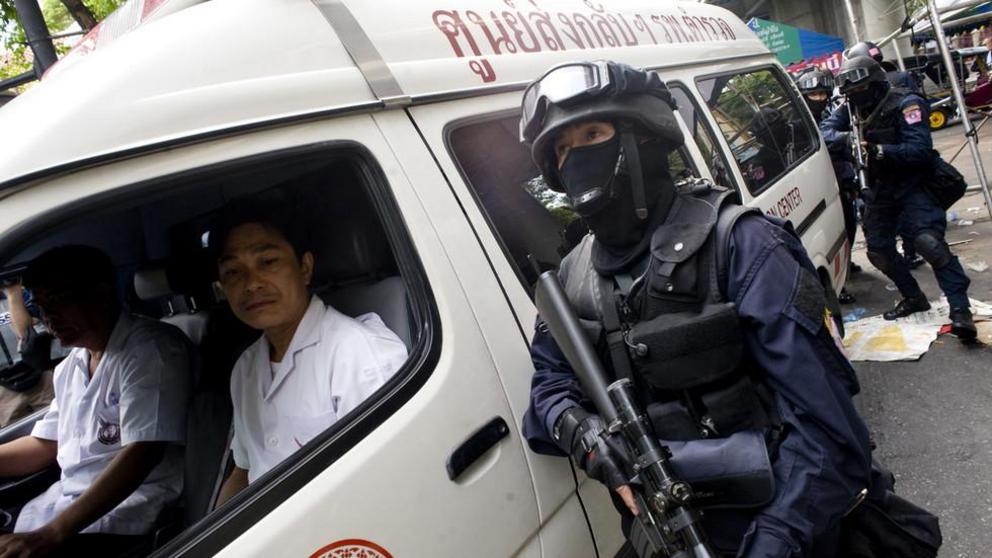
column 620, row 236
column 867, row 100
column 817, row 107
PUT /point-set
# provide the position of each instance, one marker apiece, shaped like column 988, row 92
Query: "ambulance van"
column 392, row 129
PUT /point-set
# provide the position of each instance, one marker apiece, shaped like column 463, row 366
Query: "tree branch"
column 79, row 12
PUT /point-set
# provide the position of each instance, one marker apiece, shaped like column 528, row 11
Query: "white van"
column 392, row 127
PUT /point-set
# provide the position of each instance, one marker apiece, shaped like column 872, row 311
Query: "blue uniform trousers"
column 911, row 214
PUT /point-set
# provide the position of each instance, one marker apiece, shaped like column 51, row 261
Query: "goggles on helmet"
column 853, row 77
column 815, row 80
column 561, row 85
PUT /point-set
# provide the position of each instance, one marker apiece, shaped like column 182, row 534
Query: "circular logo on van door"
column 352, row 548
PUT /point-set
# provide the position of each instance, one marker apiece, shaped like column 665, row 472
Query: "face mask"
column 867, row 99
column 616, row 225
column 588, row 176
column 816, row 107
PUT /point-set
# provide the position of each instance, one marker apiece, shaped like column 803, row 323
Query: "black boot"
column 962, row 324
column 907, row 306
column 854, row 268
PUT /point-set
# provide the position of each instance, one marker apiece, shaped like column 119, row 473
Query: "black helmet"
column 815, row 79
column 864, row 48
column 858, row 71
column 582, row 91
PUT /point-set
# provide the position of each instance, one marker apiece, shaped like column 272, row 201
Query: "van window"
column 701, row 134
column 533, row 223
column 8, row 341
column 25, row 379
column 157, row 235
column 762, row 122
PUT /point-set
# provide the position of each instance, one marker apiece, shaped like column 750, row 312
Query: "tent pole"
column 938, row 31
column 899, row 61
column 854, row 21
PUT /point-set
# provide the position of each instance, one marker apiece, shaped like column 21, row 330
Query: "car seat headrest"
column 152, row 283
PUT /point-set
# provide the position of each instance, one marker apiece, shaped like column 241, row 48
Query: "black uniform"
column 740, row 376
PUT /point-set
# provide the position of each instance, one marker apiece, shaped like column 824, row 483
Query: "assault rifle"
column 861, row 166
column 667, row 526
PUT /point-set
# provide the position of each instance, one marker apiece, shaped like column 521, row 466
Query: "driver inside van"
column 312, row 364
column 116, row 425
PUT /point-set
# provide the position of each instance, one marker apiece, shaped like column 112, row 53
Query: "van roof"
column 227, row 64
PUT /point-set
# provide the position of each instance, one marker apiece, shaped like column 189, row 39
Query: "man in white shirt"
column 117, row 423
column 312, row 364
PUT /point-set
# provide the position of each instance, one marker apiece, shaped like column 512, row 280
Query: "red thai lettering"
column 497, row 43
column 641, row 25
column 452, row 26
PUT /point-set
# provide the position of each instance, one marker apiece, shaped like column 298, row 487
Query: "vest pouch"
column 686, row 349
column 672, row 421
column 731, row 472
column 735, row 407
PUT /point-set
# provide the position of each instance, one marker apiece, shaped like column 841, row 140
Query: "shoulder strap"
column 613, row 328
column 729, row 214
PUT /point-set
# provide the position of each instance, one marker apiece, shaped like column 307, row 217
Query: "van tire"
column 832, row 303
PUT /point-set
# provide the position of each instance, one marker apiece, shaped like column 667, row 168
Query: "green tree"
column 15, row 56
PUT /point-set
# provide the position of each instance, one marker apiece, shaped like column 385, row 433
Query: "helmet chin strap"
column 632, row 158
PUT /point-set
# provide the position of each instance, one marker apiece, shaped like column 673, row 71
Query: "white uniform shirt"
column 332, row 364
column 138, row 393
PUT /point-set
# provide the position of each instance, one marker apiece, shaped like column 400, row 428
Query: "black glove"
column 874, row 153
column 583, row 436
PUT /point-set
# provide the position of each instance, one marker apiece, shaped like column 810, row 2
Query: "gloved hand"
column 583, row 436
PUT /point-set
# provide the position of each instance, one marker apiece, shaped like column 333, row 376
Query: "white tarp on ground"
column 907, row 338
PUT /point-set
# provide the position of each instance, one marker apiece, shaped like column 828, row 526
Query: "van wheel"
column 938, row 119
column 832, row 303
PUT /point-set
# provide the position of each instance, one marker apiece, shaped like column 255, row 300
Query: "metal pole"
column 938, row 31
column 854, row 20
column 899, row 61
column 29, row 14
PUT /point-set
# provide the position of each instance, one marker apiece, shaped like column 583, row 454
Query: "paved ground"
column 932, row 419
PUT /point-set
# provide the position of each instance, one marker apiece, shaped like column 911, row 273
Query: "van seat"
column 387, row 298
column 354, row 268
column 151, row 283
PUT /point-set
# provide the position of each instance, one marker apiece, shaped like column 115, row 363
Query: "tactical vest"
column 882, row 127
column 671, row 330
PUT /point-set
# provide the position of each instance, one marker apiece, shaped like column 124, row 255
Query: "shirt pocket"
column 107, row 427
column 302, row 429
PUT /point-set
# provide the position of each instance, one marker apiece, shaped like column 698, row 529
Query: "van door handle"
column 475, row 446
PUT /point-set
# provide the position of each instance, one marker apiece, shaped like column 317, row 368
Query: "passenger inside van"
column 774, row 144
column 116, row 425
column 312, row 365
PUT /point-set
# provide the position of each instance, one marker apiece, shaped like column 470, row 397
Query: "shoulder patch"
column 912, row 113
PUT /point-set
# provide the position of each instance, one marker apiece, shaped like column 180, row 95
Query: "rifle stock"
column 666, row 525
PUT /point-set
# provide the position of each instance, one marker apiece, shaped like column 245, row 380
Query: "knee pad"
column 884, row 261
column 933, row 249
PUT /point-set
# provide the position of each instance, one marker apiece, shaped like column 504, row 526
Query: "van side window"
column 702, row 134
column 762, row 122
column 534, row 224
column 8, row 341
column 364, row 266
